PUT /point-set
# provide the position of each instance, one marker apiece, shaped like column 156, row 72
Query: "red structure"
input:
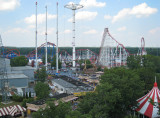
column 11, row 110
column 148, row 104
column 32, row 54
column 112, row 53
column 10, row 53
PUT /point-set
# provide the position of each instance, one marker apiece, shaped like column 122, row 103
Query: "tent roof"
column 145, row 106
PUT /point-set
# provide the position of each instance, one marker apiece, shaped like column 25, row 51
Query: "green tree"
column 17, row 98
column 53, row 63
column 44, row 59
column 19, row 61
column 42, row 90
column 115, row 95
column 152, row 62
column 134, row 61
column 88, row 64
column 41, row 74
column 147, row 75
column 27, row 101
column 52, row 111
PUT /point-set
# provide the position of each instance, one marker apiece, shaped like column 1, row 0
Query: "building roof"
column 74, row 82
column 146, row 107
column 64, row 83
column 16, row 76
column 21, row 68
column 39, row 102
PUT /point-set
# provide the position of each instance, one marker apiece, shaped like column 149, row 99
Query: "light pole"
column 73, row 7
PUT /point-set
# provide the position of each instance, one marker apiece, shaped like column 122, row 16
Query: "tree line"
column 131, row 50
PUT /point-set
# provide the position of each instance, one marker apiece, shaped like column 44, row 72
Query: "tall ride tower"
column 3, row 76
column 36, row 39
column 46, row 42
column 73, row 7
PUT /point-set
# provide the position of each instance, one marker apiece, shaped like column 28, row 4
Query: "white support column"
column 36, row 39
column 120, row 56
column 73, row 40
column 46, row 42
column 57, row 43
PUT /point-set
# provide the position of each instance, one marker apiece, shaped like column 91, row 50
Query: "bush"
column 27, row 101
column 17, row 98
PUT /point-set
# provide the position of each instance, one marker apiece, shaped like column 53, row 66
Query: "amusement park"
column 50, row 81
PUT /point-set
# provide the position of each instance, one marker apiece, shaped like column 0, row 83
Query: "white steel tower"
column 46, row 40
column 57, row 43
column 73, row 7
column 36, row 38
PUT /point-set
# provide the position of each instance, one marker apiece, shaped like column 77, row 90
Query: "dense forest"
column 27, row 50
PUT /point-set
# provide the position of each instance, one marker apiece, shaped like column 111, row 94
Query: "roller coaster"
column 10, row 53
column 111, row 54
column 41, row 51
column 81, row 54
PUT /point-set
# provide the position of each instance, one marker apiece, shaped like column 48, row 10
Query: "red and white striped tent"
column 144, row 103
column 11, row 110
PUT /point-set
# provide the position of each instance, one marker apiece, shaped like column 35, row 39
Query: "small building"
column 62, row 86
column 18, row 77
column 17, row 80
column 26, row 70
column 68, row 85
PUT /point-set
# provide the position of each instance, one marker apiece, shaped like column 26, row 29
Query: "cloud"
column 17, row 30
column 42, row 31
column 67, row 31
column 9, row 4
column 138, row 11
column 31, row 26
column 142, row 10
column 50, row 31
column 93, row 31
column 124, row 12
column 92, row 3
column 155, row 30
column 107, row 17
column 40, row 18
column 122, row 28
column 84, row 15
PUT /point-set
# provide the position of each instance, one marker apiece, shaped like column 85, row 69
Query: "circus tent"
column 11, row 110
column 148, row 104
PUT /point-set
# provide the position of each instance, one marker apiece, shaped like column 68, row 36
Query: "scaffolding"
column 3, row 76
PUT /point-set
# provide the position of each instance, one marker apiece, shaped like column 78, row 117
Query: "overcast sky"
column 127, row 20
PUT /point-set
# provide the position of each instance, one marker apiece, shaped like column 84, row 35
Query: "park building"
column 64, row 84
column 18, row 77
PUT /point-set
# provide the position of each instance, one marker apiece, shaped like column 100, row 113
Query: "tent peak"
column 155, row 84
